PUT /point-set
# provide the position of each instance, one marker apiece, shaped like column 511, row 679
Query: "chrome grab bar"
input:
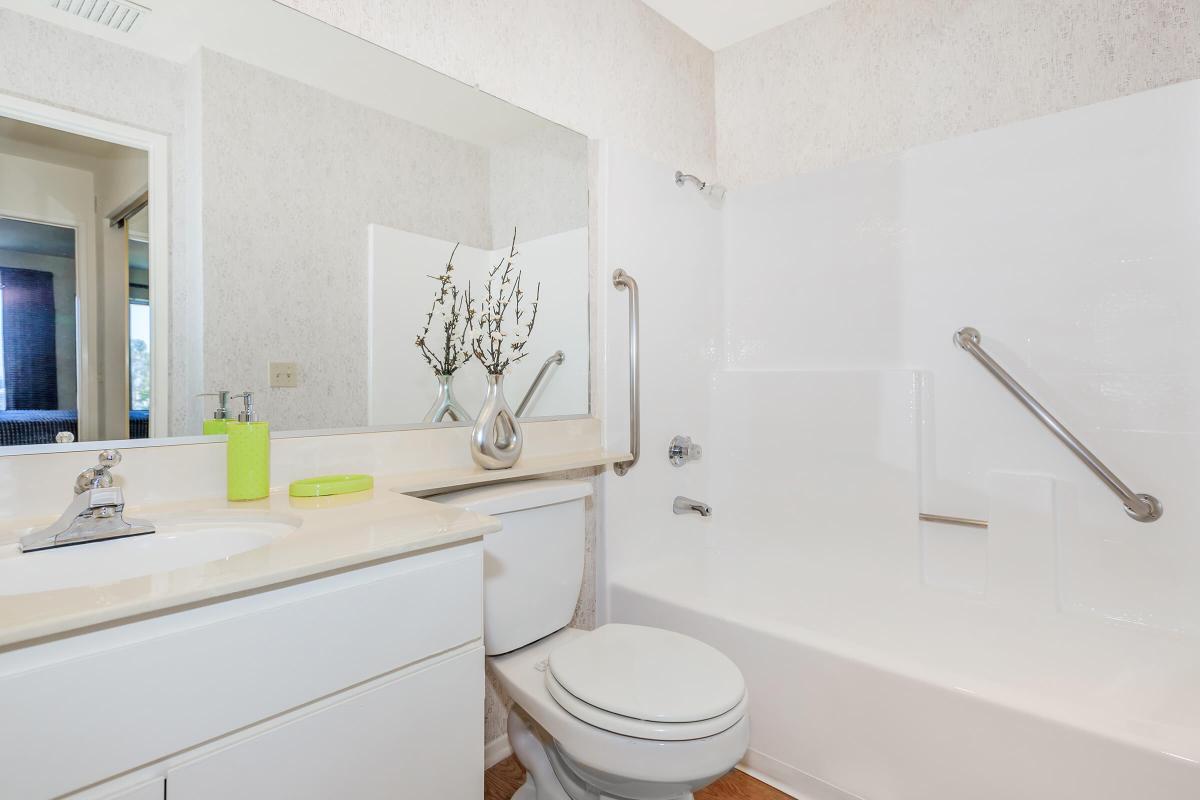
column 942, row 519
column 1142, row 507
column 557, row 358
column 623, row 280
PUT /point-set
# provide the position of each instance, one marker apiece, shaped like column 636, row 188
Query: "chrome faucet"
column 96, row 513
column 686, row 505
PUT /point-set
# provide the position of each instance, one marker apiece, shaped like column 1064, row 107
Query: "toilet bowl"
column 679, row 759
column 624, row 712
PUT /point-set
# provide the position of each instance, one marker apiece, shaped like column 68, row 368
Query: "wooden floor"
column 506, row 777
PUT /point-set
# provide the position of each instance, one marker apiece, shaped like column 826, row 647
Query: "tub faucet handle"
column 682, row 450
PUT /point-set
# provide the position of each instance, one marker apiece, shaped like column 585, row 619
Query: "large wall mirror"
column 202, row 199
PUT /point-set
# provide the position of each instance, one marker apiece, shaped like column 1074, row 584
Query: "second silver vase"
column 496, row 439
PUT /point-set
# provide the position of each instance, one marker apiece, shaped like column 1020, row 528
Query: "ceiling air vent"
column 119, row 15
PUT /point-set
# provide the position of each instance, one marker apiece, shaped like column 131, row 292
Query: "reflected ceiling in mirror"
column 317, row 191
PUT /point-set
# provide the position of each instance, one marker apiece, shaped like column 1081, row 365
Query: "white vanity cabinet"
column 409, row 737
column 365, row 683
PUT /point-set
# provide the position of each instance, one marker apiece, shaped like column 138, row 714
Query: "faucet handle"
column 682, row 450
column 99, row 476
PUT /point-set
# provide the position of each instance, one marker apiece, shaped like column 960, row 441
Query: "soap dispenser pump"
column 220, row 418
column 248, row 454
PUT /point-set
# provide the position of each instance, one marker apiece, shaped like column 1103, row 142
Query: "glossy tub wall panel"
column 870, row 670
column 1070, row 242
column 668, row 239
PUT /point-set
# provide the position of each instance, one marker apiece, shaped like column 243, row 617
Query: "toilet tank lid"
column 504, row 498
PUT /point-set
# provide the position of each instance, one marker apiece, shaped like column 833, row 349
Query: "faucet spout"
column 686, row 505
column 96, row 513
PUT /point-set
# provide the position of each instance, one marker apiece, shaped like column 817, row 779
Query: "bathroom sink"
column 180, row 541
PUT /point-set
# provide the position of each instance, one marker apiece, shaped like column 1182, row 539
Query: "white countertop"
column 334, row 533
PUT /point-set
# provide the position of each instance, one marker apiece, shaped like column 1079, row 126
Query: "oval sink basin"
column 179, row 542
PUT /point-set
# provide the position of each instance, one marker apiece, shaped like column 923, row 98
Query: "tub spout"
column 686, row 505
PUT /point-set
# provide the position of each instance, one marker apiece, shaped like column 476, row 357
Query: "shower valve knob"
column 683, row 450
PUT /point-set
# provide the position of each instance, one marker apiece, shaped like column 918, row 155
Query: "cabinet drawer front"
column 135, row 694
column 419, row 736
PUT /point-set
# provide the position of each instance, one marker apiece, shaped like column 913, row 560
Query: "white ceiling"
column 716, row 24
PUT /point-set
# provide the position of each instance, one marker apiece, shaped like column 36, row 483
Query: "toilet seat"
column 640, row 728
column 646, row 682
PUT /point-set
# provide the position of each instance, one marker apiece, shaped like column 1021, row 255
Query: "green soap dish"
column 327, row 485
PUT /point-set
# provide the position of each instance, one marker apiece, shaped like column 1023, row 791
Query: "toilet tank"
column 533, row 566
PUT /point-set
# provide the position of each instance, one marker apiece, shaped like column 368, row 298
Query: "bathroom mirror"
column 248, row 200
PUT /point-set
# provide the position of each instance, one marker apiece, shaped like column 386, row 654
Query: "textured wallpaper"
column 869, row 77
column 612, row 69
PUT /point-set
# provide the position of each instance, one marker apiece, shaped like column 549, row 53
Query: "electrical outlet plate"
column 284, row 375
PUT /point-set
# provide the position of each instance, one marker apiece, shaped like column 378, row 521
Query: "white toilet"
column 623, row 712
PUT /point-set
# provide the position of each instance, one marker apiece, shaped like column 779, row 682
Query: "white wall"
column 867, row 77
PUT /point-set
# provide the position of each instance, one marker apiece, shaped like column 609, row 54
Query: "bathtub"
column 865, row 685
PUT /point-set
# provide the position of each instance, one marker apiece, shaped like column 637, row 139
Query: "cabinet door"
column 419, row 736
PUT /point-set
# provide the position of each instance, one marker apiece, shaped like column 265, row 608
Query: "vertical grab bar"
column 623, row 280
column 1142, row 507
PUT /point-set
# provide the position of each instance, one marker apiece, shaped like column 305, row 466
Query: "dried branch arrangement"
column 505, row 319
column 451, row 319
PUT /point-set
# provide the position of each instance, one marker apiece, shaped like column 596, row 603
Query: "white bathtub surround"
column 864, row 680
column 668, row 239
column 866, row 77
column 1068, row 242
column 907, row 660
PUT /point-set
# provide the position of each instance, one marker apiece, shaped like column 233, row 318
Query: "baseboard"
column 496, row 751
column 789, row 780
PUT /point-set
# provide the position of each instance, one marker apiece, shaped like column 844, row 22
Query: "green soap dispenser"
column 248, row 454
column 220, row 418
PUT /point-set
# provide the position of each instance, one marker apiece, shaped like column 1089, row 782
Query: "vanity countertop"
column 333, row 533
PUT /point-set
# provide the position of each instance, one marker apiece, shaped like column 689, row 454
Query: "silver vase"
column 444, row 405
column 496, row 439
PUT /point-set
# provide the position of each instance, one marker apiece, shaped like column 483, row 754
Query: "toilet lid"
column 648, row 674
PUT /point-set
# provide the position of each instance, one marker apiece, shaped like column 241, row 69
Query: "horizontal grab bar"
column 945, row 520
column 1142, row 507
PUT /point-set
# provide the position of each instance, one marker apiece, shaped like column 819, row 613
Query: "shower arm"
column 1142, row 507
column 682, row 178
